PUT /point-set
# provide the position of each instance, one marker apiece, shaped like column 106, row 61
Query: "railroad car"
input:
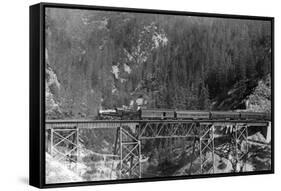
column 255, row 115
column 192, row 114
column 157, row 114
column 224, row 115
column 268, row 116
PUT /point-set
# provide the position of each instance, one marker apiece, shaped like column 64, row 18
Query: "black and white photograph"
column 141, row 95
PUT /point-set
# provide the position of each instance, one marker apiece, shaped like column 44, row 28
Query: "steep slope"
column 260, row 99
column 247, row 95
column 52, row 88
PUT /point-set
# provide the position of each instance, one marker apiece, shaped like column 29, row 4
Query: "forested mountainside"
column 249, row 95
column 97, row 59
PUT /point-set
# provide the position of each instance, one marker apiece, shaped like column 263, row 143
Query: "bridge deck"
column 68, row 124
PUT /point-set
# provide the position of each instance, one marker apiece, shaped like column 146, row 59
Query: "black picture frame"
column 37, row 93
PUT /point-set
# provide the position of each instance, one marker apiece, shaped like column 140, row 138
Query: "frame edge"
column 35, row 178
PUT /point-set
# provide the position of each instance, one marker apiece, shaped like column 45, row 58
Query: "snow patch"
column 159, row 39
column 113, row 88
column 122, row 80
column 140, row 101
column 115, row 71
column 127, row 68
column 128, row 55
column 132, row 103
column 85, row 21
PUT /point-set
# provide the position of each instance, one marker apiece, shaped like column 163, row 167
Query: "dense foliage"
column 111, row 59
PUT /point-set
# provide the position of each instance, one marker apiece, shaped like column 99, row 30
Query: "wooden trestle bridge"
column 130, row 134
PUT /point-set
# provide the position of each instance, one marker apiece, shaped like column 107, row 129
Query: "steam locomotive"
column 156, row 114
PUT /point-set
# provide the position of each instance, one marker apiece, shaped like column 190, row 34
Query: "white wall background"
column 14, row 92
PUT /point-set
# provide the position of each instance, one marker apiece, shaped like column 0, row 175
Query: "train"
column 173, row 114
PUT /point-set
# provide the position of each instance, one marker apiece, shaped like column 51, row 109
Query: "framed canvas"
column 122, row 95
